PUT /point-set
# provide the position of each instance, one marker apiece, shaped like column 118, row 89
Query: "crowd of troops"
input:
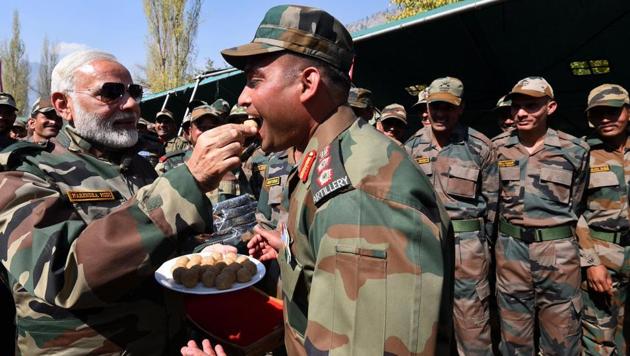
column 539, row 219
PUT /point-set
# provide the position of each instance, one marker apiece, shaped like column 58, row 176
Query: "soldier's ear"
column 61, row 105
column 552, row 105
column 310, row 79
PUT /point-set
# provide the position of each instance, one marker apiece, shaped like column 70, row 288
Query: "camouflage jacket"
column 177, row 143
column 463, row 172
column 6, row 141
column 543, row 189
column 254, row 169
column 273, row 204
column 233, row 183
column 606, row 207
column 368, row 270
column 82, row 232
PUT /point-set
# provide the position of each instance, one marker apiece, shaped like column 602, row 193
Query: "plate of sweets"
column 212, row 273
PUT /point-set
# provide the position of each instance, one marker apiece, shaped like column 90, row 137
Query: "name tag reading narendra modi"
column 76, row 196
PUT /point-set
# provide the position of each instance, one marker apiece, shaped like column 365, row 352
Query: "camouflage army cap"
column 238, row 110
column 447, row 89
column 503, row 102
column 608, row 95
column 204, row 110
column 300, row 29
column 394, row 111
column 537, row 87
column 8, row 100
column 41, row 105
column 360, row 98
column 221, row 107
column 20, row 122
column 163, row 115
column 422, row 98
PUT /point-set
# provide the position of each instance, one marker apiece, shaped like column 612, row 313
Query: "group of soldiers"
column 383, row 247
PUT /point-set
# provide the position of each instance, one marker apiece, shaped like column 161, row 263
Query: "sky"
column 119, row 26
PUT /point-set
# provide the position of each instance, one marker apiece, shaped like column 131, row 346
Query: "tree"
column 49, row 59
column 15, row 69
column 171, row 41
column 413, row 7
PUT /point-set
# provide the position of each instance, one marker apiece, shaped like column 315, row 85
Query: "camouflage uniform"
column 83, row 231
column 538, row 268
column 254, row 170
column 365, row 265
column 231, row 185
column 465, row 178
column 603, row 232
column 177, row 143
column 273, row 205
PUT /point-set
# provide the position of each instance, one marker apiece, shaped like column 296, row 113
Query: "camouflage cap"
column 608, row 95
column 221, row 107
column 164, row 114
column 204, row 110
column 194, row 103
column 360, row 98
column 20, row 122
column 394, row 111
column 447, row 89
column 422, row 98
column 8, row 100
column 41, row 105
column 503, row 102
column 300, row 29
column 238, row 110
column 537, row 87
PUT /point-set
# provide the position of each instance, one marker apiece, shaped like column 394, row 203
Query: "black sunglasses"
column 110, row 92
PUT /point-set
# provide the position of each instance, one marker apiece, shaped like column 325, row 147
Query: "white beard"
column 93, row 127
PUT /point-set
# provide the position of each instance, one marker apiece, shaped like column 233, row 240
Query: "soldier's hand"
column 265, row 244
column 193, row 350
column 599, row 279
column 216, row 152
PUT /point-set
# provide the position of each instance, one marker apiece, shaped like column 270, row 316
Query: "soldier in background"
column 393, row 122
column 360, row 100
column 44, row 121
column 543, row 176
column 604, row 228
column 221, row 108
column 364, row 224
column 204, row 118
column 166, row 129
column 459, row 161
column 86, row 223
column 419, row 109
column 149, row 145
column 19, row 131
column 503, row 114
column 254, row 160
column 8, row 114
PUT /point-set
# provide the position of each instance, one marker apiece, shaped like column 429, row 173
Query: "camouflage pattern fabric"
column 465, row 178
column 83, row 231
column 177, row 143
column 232, row 184
column 540, row 190
column 368, row 268
column 606, row 210
column 273, row 204
column 254, row 169
column 300, row 29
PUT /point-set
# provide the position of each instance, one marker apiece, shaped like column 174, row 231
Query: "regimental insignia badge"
column 272, row 182
column 423, row 160
column 332, row 178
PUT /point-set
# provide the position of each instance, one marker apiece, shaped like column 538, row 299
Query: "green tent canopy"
column 488, row 44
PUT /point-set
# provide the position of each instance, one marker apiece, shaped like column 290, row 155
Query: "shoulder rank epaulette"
column 330, row 176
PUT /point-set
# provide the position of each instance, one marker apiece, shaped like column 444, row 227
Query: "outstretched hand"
column 265, row 244
column 193, row 350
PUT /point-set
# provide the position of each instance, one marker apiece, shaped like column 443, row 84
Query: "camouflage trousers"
column 603, row 319
column 540, row 278
column 471, row 314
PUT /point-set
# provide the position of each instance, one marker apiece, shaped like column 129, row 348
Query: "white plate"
column 164, row 276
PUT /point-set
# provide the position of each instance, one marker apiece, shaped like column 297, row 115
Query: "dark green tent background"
column 488, row 44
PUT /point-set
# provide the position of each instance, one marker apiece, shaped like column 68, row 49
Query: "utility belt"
column 531, row 234
column 466, row 225
column 621, row 238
